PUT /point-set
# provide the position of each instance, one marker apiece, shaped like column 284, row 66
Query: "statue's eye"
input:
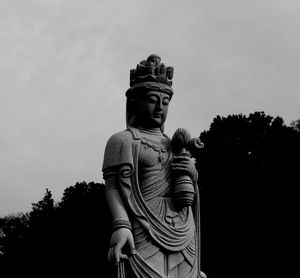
column 152, row 99
column 165, row 101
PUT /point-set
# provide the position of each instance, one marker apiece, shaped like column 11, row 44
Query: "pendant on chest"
column 160, row 149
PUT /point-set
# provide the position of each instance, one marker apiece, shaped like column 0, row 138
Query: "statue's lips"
column 157, row 115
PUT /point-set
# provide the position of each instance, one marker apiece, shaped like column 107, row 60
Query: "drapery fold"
column 146, row 208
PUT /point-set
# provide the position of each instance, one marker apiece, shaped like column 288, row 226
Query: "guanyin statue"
column 154, row 235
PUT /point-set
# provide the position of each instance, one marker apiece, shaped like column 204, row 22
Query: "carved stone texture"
column 152, row 237
column 184, row 191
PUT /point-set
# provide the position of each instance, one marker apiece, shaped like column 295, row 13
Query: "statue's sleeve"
column 118, row 153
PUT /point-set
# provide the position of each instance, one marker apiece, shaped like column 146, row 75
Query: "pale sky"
column 64, row 70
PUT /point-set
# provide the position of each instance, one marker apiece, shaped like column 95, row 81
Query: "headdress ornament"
column 153, row 75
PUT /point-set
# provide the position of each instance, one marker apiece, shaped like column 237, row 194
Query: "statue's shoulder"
column 118, row 149
column 120, row 137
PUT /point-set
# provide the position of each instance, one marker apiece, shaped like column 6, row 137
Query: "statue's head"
column 149, row 94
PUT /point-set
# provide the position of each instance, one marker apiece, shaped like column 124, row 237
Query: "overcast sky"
column 64, row 70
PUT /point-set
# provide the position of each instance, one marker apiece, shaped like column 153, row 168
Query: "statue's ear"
column 130, row 112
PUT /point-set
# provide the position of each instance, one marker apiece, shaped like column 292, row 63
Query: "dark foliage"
column 64, row 239
column 248, row 179
column 14, row 232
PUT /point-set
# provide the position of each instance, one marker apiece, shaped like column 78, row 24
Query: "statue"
column 150, row 185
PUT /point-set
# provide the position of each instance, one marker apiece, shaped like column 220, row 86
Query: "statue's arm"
column 114, row 200
column 121, row 236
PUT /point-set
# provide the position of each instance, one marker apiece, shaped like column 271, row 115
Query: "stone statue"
column 155, row 228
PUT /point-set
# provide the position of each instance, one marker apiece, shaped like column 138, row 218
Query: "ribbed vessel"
column 184, row 191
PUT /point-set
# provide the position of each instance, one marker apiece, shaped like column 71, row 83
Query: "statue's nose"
column 159, row 105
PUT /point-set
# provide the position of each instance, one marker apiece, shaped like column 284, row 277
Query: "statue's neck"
column 151, row 133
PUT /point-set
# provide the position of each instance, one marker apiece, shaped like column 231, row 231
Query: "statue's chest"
column 154, row 153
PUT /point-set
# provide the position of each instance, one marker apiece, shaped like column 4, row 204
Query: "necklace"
column 160, row 147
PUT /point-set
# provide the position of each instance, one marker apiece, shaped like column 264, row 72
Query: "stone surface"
column 151, row 233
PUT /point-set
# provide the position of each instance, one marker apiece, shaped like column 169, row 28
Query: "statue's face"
column 153, row 109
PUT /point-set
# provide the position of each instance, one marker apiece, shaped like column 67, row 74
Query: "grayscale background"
column 64, row 70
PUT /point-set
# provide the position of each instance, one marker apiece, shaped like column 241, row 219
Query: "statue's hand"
column 203, row 275
column 119, row 239
column 186, row 166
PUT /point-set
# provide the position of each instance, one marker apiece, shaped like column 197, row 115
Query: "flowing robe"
column 166, row 240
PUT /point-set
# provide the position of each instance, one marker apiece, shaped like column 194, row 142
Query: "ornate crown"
column 151, row 74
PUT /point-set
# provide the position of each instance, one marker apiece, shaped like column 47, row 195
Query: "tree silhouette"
column 69, row 238
column 85, row 228
column 296, row 125
column 13, row 241
column 46, row 205
column 246, row 176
